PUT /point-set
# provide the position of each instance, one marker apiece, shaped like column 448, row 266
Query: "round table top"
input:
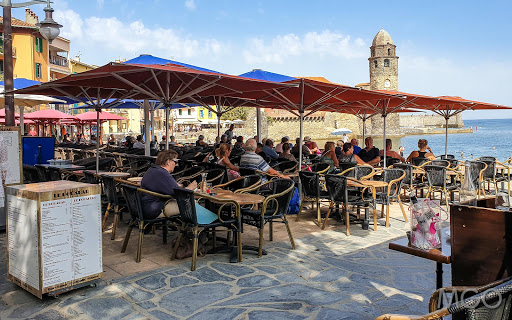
column 374, row 183
column 117, row 174
column 135, row 179
column 242, row 199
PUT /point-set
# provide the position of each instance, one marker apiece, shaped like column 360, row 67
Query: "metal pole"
column 152, row 117
column 384, row 137
column 98, row 110
column 147, row 149
column 22, row 124
column 218, row 125
column 446, row 138
column 8, row 66
column 364, row 127
column 167, row 127
column 258, row 125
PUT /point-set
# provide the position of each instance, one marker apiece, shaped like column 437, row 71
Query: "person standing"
column 229, row 133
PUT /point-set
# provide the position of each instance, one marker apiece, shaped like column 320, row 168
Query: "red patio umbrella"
column 48, row 115
column 92, row 116
column 2, row 114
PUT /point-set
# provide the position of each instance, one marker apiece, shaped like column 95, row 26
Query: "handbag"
column 185, row 249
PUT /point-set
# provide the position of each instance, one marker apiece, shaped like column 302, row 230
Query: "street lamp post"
column 48, row 28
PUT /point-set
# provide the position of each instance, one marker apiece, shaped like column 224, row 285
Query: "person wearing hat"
column 200, row 141
column 312, row 146
column 295, row 149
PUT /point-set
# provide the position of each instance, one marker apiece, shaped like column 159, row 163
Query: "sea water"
column 490, row 137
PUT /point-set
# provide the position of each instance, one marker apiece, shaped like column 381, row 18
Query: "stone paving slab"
column 329, row 276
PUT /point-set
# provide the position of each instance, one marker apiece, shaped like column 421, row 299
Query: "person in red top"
column 32, row 132
column 312, row 146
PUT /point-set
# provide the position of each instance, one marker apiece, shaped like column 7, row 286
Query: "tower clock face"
column 387, row 84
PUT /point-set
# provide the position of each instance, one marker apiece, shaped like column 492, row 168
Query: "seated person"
column 295, row 148
column 223, row 153
column 279, row 147
column 254, row 161
column 339, row 148
column 370, row 154
column 239, row 144
column 329, row 156
column 200, row 141
column 268, row 149
column 139, row 144
column 391, row 153
column 421, row 153
column 286, row 153
column 349, row 156
column 355, row 144
column 159, row 179
column 312, row 146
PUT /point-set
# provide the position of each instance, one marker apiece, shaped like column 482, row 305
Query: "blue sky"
column 445, row 47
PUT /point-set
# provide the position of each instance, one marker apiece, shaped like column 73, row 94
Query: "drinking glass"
column 502, row 201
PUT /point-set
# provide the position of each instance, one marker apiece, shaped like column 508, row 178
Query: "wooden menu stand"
column 54, row 236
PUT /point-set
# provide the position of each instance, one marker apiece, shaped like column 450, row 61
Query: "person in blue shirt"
column 355, row 145
column 159, row 179
column 268, row 149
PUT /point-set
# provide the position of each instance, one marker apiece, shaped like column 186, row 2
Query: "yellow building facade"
column 30, row 52
column 205, row 115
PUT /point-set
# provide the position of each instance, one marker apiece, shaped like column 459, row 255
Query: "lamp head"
column 48, row 28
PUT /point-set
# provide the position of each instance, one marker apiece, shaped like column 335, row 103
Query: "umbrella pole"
column 364, row 127
column 384, row 138
column 147, row 149
column 22, row 125
column 152, row 117
column 167, row 128
column 97, row 140
column 258, row 124
column 446, row 138
column 218, row 126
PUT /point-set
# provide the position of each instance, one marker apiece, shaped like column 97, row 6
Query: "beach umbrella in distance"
column 341, row 131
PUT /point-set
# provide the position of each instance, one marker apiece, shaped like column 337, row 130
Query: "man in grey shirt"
column 229, row 133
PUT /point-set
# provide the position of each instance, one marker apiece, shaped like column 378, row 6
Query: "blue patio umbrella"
column 20, row 83
column 266, row 75
column 148, row 59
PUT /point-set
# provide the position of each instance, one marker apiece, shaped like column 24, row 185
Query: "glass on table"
column 502, row 201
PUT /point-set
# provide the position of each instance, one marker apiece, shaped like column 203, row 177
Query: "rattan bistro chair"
column 437, row 181
column 489, row 175
column 394, row 178
column 312, row 191
column 477, row 169
column 132, row 196
column 274, row 207
column 115, row 200
column 490, row 302
column 188, row 216
column 339, row 193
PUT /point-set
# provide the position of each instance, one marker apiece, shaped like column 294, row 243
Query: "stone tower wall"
column 383, row 71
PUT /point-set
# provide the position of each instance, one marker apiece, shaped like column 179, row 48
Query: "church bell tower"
column 383, row 63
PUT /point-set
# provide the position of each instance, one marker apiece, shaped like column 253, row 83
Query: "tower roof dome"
column 382, row 38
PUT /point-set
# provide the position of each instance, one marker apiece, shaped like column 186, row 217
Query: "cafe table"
column 243, row 199
column 440, row 256
column 68, row 167
column 117, row 174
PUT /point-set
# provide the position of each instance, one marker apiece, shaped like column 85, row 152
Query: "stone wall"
column 428, row 120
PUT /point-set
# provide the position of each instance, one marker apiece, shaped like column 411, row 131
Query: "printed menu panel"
column 10, row 157
column 56, row 234
column 23, row 240
column 86, row 246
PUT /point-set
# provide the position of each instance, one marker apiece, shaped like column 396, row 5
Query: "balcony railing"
column 59, row 61
column 13, row 50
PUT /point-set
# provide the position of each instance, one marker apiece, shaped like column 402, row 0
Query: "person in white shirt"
column 139, row 144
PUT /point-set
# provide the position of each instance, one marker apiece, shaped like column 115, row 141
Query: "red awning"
column 49, row 115
column 104, row 116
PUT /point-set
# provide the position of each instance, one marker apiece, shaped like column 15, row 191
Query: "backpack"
column 294, row 203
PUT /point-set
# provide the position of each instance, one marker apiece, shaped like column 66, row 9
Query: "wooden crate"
column 481, row 242
column 54, row 235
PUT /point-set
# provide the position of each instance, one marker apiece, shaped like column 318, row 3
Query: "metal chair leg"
column 105, row 217
column 347, row 219
column 327, row 215
column 300, row 209
column 195, row 233
column 270, row 231
column 141, row 237
column 260, row 243
column 289, row 232
column 114, row 226
column 403, row 211
column 178, row 241
column 387, row 214
column 318, row 216
column 127, row 237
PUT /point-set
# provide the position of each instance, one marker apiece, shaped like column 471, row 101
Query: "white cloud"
column 190, row 4
column 325, row 43
column 72, row 23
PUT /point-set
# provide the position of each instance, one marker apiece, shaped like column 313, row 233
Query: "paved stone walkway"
column 329, row 276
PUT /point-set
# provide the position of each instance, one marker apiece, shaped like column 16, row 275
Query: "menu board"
column 86, row 236
column 23, row 240
column 71, row 239
column 10, row 155
column 56, row 236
